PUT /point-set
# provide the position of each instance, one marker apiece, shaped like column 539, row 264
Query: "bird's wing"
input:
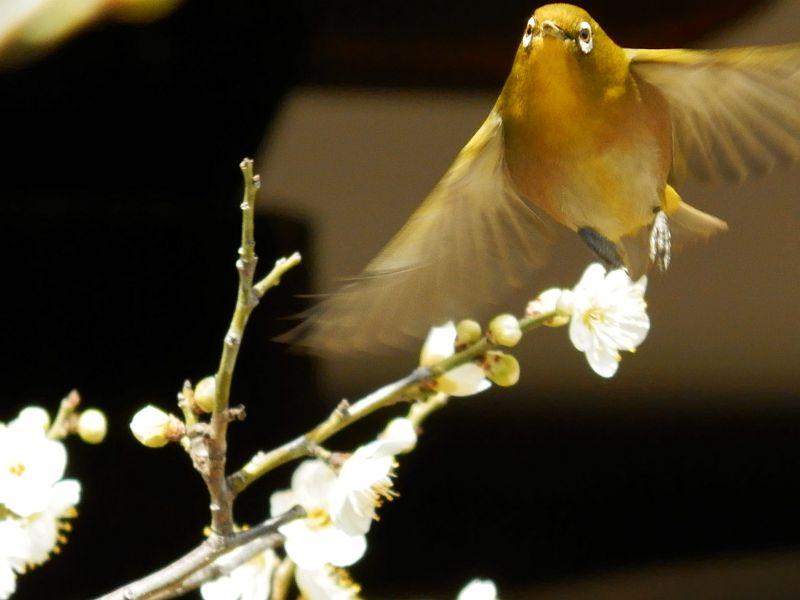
column 734, row 112
column 472, row 237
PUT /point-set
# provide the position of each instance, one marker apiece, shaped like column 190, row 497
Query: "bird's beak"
column 549, row 28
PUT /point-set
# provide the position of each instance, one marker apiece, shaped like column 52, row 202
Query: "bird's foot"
column 660, row 241
column 604, row 248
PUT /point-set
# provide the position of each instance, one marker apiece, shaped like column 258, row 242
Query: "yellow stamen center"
column 318, row 518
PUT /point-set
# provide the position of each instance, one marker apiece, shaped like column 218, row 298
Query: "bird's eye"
column 585, row 37
column 526, row 39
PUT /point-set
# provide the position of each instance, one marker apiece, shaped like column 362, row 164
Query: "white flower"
column 315, row 540
column 32, row 494
column 479, row 589
column 32, row 418
column 402, row 433
column 12, row 543
column 30, row 464
column 464, row 380
column 328, row 583
column 8, row 580
column 44, row 530
column 364, row 482
column 251, row 580
column 608, row 315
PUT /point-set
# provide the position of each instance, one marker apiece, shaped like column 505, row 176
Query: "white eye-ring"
column 585, row 37
column 526, row 39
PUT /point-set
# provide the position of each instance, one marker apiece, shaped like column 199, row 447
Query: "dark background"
column 118, row 231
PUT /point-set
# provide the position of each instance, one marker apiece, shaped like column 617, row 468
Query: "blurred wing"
column 734, row 112
column 472, row 238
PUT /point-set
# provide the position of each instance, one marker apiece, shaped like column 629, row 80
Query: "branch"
column 216, row 570
column 167, row 582
column 213, row 447
column 415, row 385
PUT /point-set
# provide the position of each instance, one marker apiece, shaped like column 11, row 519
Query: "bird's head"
column 569, row 35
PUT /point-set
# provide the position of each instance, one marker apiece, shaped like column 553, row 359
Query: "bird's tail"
column 689, row 224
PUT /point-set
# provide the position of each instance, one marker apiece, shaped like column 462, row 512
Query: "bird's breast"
column 598, row 160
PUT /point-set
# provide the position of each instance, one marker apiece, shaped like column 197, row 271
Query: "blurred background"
column 123, row 125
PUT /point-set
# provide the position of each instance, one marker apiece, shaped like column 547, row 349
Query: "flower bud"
column 154, row 428
column 504, row 330
column 205, row 394
column 554, row 299
column 468, row 332
column 501, row 368
column 92, row 426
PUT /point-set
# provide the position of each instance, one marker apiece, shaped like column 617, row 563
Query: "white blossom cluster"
column 35, row 500
column 340, row 503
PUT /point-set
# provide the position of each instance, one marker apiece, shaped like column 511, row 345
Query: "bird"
column 585, row 136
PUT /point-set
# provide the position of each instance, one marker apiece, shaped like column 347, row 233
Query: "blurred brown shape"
column 29, row 28
column 472, row 42
column 774, row 575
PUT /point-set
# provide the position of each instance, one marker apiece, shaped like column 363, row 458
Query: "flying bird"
column 587, row 136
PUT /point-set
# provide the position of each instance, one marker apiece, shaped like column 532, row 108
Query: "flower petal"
column 312, row 482
column 282, row 501
column 603, row 361
column 311, row 548
column 479, row 589
column 400, row 435
column 439, row 344
column 464, row 380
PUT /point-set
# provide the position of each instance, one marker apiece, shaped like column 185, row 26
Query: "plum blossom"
column 328, row 583
column 252, row 580
column 609, row 314
column 34, row 499
column 479, row 589
column 464, row 380
column 30, row 465
column 315, row 541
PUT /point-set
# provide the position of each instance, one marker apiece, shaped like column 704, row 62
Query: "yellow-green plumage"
column 585, row 134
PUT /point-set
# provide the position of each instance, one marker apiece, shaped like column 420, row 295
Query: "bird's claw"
column 661, row 242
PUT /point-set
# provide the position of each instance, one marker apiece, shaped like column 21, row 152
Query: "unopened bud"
column 154, row 428
column 468, row 332
column 92, row 426
column 504, row 330
column 501, row 368
column 205, row 394
column 554, row 299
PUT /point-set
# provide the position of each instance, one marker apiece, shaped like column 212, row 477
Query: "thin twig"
column 420, row 411
column 65, row 420
column 166, row 582
column 411, row 387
